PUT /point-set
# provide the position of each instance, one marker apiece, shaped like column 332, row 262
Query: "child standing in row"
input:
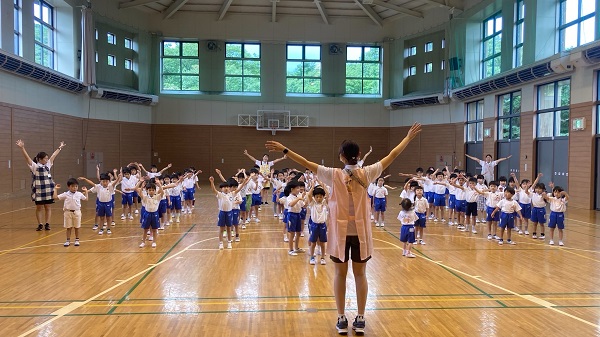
column 492, row 198
column 317, row 201
column 509, row 208
column 379, row 202
column 104, row 203
column 295, row 202
column 150, row 201
column 407, row 218
column 71, row 208
column 558, row 206
column 539, row 198
column 421, row 207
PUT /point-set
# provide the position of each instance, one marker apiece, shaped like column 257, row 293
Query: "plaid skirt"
column 481, row 203
column 42, row 186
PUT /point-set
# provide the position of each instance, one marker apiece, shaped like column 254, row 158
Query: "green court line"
column 149, row 271
column 450, row 271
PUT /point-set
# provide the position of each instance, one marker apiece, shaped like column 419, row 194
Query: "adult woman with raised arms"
column 349, row 225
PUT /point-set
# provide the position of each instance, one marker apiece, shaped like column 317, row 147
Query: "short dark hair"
column 453, row 175
column 557, row 189
column 488, row 155
column 473, row 180
column 413, row 184
column 240, row 175
column 406, row 204
column 153, row 166
column 151, row 186
column 525, row 181
column 510, row 190
column 318, row 190
column 418, row 187
column 254, row 170
column 104, row 176
column 126, row 170
column 419, row 169
column 439, row 174
column 72, row 181
column 493, row 182
column 40, row 156
column 350, row 150
column 223, row 184
column 480, row 176
column 232, row 182
column 502, row 178
column 540, row 185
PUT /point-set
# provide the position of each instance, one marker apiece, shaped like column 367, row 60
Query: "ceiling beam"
column 174, row 8
column 135, row 3
column 398, row 8
column 441, row 3
column 370, row 13
column 322, row 11
column 274, row 11
column 224, row 9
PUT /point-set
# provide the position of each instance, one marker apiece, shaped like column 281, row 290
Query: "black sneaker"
column 542, row 236
column 47, row 227
column 40, row 227
column 342, row 325
column 358, row 326
column 95, row 227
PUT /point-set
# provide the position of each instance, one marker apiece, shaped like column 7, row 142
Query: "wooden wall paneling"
column 377, row 138
column 409, row 159
column 181, row 145
column 527, row 160
column 6, row 146
column 104, row 137
column 581, row 160
column 459, row 145
column 37, row 131
column 437, row 140
column 69, row 162
column 135, row 143
column 316, row 144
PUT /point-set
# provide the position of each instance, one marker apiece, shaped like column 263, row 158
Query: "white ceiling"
column 376, row 10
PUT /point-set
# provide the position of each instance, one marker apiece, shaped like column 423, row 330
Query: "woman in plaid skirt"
column 42, row 185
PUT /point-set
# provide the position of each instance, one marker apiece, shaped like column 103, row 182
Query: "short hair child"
column 420, row 205
column 492, row 197
column 295, row 201
column 509, row 207
column 150, row 218
column 71, row 208
column 379, row 202
column 317, row 221
column 407, row 218
column 558, row 206
column 539, row 198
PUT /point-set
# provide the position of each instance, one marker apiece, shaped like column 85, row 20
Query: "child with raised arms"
column 509, row 209
column 380, row 194
column 151, row 202
column 128, row 183
column 407, row 218
column 539, row 198
column 558, row 206
column 154, row 172
column 492, row 197
column 175, row 197
column 104, row 205
column 421, row 206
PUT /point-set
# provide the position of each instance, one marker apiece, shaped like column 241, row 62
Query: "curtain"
column 88, row 55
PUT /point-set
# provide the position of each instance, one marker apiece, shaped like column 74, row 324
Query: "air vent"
column 415, row 101
column 19, row 66
column 592, row 55
column 124, row 96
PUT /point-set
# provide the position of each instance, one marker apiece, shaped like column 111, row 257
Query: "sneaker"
column 130, row 217
column 323, row 262
column 40, row 227
column 560, row 243
column 403, row 252
column 520, row 232
column 256, row 220
column 153, row 244
column 67, row 243
column 496, row 237
column 474, row 231
column 534, row 235
column 435, row 220
column 526, row 233
column 443, row 220
column 411, row 255
column 275, row 215
column 151, row 238
column 377, row 224
column 421, row 242
column 142, row 245
column 95, row 227
column 511, row 242
column 136, row 212
column 542, row 236
column 122, row 216
column 358, row 326
column 177, row 220
column 285, row 239
column 108, row 231
column 299, row 250
column 477, row 221
column 459, row 226
column 292, row 253
column 104, row 226
column 161, row 228
column 172, row 216
column 247, row 221
column 47, row 226
column 237, row 239
column 342, row 325
column 489, row 236
column 228, row 244
column 500, row 242
column 259, row 208
column 220, row 245
column 551, row 243
column 382, row 225
column 243, row 226
column 100, row 232
column 76, row 243
column 312, row 261
column 372, row 217
column 112, row 223
column 450, row 223
column 280, row 216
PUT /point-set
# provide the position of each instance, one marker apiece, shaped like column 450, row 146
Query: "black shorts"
column 45, row 202
column 352, row 251
column 471, row 209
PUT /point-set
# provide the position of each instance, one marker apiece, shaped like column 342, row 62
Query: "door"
column 505, row 149
column 552, row 162
column 475, row 150
column 597, row 174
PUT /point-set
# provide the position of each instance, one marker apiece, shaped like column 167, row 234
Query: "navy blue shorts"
column 379, row 204
column 127, row 198
column 525, row 210
column 407, row 233
column 135, row 195
column 447, row 192
column 439, row 200
column 162, row 207
column 243, row 205
column 538, row 215
column 429, row 196
column 303, row 214
column 507, row 220
column 557, row 219
column 452, row 201
column 274, row 199
column 104, row 208
column 150, row 220
column 460, row 206
column 143, row 214
column 471, row 209
column 285, row 216
column 489, row 217
column 235, row 217
column 176, row 202
column 294, row 222
column 225, row 219
column 256, row 200
column 422, row 220
column 318, row 231
column 188, row 194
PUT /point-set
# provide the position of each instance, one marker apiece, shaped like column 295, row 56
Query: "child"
column 104, row 206
column 175, row 196
column 295, row 203
column 317, row 200
column 524, row 199
column 439, row 197
column 502, row 185
column 471, row 196
column 154, row 172
column 72, row 208
column 189, row 184
column 492, row 197
column 460, row 206
column 421, row 206
column 135, row 177
column 539, row 198
column 255, row 186
column 150, row 218
column 407, row 218
column 558, row 206
column 481, row 207
column 264, row 167
column 225, row 199
column 379, row 203
column 452, row 199
column 128, row 183
column 507, row 218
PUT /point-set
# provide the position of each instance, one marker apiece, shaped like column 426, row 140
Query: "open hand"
column 20, row 143
column 415, row 129
column 84, row 189
column 274, row 146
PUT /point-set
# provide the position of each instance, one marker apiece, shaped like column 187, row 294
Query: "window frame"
column 110, row 36
column 428, row 67
column 363, row 78
column 579, row 21
column 44, row 25
column 519, row 36
column 477, row 121
column 555, row 110
column 242, row 59
column 412, row 71
column 180, row 57
column 111, row 60
column 428, row 46
column 125, row 40
column 17, row 38
column 486, row 58
column 130, row 62
column 412, row 50
column 304, row 60
column 510, row 117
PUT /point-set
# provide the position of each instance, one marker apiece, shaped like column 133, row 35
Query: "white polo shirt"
column 72, row 200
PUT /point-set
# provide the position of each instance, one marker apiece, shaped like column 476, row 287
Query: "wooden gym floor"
column 459, row 285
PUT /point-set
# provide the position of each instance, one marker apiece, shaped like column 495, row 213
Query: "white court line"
column 16, row 210
column 534, row 299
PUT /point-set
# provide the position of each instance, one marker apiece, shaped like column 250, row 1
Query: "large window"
column 474, row 123
column 17, row 21
column 553, row 109
column 363, row 70
column 519, row 31
column 303, row 69
column 44, row 33
column 509, row 116
column 242, row 67
column 492, row 46
column 180, row 66
column 577, row 24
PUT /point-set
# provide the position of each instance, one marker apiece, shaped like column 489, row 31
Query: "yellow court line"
column 539, row 301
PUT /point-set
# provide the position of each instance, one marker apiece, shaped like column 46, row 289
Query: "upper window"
column 111, row 38
column 17, row 27
column 492, row 46
column 180, row 66
column 474, row 125
column 363, row 70
column 428, row 67
column 509, row 119
column 553, row 104
column 519, row 31
column 43, row 19
column 428, row 47
column 412, row 71
column 128, row 64
column 112, row 60
column 128, row 43
column 303, row 69
column 577, row 24
column 443, row 43
column 412, row 51
column 242, row 67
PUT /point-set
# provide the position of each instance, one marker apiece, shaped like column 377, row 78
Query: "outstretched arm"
column 412, row 133
column 249, row 156
column 220, row 175
column 212, row 185
column 87, row 180
column 274, row 146
column 474, row 158
column 166, row 168
column 279, row 159
column 21, row 144
column 56, row 152
column 364, row 158
column 503, row 159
